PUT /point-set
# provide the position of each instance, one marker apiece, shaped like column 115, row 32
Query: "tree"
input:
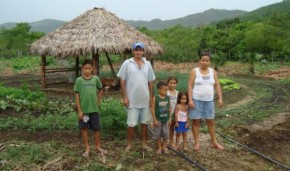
column 18, row 38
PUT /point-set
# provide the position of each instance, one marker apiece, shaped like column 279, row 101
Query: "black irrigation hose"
column 183, row 155
column 188, row 159
column 254, row 151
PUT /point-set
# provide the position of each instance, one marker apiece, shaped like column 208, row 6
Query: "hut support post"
column 96, row 61
column 111, row 66
column 43, row 73
column 77, row 71
column 152, row 62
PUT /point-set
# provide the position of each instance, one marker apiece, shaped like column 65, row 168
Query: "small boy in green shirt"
column 89, row 93
column 161, row 117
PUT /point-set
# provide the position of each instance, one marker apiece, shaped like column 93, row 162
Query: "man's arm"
column 124, row 93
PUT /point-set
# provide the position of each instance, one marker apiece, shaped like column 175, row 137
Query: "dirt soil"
column 270, row 137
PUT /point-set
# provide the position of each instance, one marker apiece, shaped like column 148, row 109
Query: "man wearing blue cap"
column 137, row 78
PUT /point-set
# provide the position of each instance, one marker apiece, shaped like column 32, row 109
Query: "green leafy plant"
column 228, row 84
column 113, row 118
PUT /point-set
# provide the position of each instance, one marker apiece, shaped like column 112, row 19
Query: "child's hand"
column 176, row 124
column 187, row 125
column 155, row 123
column 81, row 115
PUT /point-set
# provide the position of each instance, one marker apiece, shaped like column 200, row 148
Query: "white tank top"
column 203, row 88
column 173, row 100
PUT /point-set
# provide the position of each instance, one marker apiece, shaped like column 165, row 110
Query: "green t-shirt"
column 87, row 90
column 162, row 108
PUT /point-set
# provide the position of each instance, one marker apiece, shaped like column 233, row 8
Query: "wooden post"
column 111, row 66
column 96, row 61
column 43, row 63
column 152, row 62
column 77, row 71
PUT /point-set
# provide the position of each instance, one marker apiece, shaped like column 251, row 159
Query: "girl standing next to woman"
column 172, row 94
column 201, row 83
column 181, row 121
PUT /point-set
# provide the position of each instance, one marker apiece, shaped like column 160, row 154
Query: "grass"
column 268, row 101
column 182, row 79
column 31, row 156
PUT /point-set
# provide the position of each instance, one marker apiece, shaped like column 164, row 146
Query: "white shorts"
column 137, row 115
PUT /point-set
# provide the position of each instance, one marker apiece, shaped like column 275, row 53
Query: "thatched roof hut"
column 92, row 33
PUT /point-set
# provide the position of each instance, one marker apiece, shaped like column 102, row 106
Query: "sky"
column 66, row 10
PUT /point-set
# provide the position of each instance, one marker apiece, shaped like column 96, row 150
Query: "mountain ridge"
column 193, row 20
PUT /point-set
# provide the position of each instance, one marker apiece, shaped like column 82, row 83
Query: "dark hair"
column 87, row 61
column 204, row 54
column 172, row 78
column 180, row 94
column 161, row 84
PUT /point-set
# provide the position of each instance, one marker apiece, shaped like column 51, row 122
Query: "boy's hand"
column 176, row 124
column 155, row 123
column 81, row 115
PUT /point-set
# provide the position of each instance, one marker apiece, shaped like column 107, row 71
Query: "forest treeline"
column 259, row 37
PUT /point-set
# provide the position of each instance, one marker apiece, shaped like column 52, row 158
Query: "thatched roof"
column 95, row 31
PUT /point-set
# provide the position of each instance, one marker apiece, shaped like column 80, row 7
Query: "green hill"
column 46, row 26
column 263, row 13
column 193, row 20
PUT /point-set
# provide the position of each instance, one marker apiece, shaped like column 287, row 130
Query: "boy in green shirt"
column 161, row 117
column 89, row 93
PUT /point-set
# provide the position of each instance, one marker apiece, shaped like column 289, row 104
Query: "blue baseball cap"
column 138, row 44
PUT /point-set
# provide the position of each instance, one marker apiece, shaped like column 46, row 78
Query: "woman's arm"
column 218, row 89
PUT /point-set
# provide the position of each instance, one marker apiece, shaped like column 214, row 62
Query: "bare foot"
column 102, row 151
column 217, row 146
column 166, row 150
column 128, row 148
column 185, row 148
column 172, row 146
column 196, row 147
column 85, row 154
column 158, row 151
column 146, row 147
